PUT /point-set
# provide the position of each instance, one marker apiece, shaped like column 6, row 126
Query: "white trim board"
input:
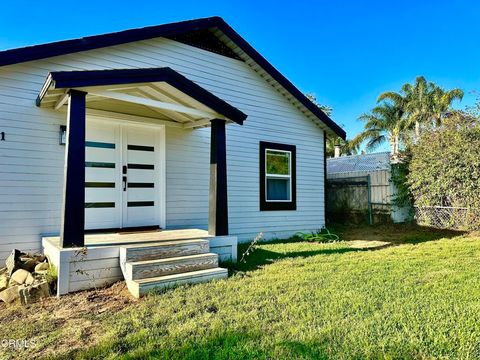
column 97, row 266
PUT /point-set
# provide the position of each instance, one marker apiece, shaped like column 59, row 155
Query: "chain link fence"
column 445, row 217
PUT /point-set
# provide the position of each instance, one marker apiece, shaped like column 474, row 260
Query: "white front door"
column 123, row 175
column 140, row 174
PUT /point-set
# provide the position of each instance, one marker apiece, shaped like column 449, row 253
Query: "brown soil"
column 75, row 313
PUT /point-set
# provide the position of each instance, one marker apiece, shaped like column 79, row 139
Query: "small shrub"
column 51, row 276
column 323, row 236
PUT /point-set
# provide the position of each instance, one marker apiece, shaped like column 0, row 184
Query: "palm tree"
column 442, row 102
column 346, row 146
column 414, row 99
column 385, row 123
column 423, row 102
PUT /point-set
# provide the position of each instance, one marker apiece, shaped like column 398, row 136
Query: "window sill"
column 277, row 206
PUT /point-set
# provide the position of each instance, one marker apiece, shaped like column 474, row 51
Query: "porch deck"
column 135, row 237
column 98, row 263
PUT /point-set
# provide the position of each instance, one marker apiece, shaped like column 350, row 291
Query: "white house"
column 181, row 129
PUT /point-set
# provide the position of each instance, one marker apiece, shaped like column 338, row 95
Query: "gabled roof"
column 37, row 52
column 93, row 78
column 354, row 163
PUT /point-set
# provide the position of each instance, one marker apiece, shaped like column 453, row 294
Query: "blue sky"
column 346, row 52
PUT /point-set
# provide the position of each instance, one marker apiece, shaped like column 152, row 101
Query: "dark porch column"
column 73, row 206
column 218, row 201
column 325, row 175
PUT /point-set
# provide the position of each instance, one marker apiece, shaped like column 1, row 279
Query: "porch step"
column 141, row 286
column 167, row 263
column 162, row 250
column 135, row 270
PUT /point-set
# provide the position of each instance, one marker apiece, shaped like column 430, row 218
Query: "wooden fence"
column 364, row 195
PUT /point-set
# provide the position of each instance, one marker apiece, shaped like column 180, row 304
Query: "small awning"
column 157, row 93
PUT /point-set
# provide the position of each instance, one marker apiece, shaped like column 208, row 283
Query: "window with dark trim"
column 277, row 176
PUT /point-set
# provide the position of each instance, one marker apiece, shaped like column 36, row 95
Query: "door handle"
column 124, row 178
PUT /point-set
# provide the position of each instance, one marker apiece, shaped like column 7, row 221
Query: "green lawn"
column 408, row 294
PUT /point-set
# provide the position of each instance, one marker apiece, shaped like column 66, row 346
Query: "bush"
column 445, row 167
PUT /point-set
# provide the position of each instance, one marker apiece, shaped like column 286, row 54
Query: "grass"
column 388, row 292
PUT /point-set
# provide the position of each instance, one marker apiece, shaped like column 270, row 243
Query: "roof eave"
column 38, row 52
column 92, row 78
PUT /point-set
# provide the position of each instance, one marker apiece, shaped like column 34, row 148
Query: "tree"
column 346, row 147
column 325, row 108
column 445, row 164
column 385, row 123
column 423, row 103
column 474, row 110
column 442, row 102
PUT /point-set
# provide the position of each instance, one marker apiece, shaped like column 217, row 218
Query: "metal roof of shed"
column 364, row 162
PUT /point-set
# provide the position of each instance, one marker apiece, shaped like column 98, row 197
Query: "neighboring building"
column 363, row 183
column 155, row 102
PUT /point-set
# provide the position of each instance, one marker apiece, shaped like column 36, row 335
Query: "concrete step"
column 163, row 249
column 135, row 270
column 140, row 287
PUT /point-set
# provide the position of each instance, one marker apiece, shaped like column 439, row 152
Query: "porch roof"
column 157, row 93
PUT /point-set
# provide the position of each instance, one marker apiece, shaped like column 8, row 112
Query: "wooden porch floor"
column 135, row 237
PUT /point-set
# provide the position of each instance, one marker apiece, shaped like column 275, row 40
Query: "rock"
column 13, row 261
column 28, row 264
column 37, row 257
column 10, row 295
column 3, row 282
column 40, row 257
column 42, row 266
column 30, row 294
column 29, row 261
column 29, row 280
column 19, row 276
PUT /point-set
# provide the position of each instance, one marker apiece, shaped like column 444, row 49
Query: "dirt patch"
column 74, row 314
column 394, row 233
column 371, row 244
column 474, row 234
column 375, row 233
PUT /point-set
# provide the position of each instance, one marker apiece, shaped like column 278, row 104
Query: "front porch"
column 99, row 262
column 124, row 185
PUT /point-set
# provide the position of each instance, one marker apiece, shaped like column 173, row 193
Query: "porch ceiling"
column 161, row 94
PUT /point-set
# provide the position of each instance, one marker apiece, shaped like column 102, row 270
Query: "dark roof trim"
column 79, row 79
column 282, row 80
column 15, row 56
column 57, row 48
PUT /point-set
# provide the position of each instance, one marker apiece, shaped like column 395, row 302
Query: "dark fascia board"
column 57, row 48
column 282, row 80
column 80, row 79
column 37, row 52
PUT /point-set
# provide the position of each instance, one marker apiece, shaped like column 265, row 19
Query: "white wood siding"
column 31, row 161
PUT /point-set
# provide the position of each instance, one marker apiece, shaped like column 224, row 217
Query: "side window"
column 277, row 176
